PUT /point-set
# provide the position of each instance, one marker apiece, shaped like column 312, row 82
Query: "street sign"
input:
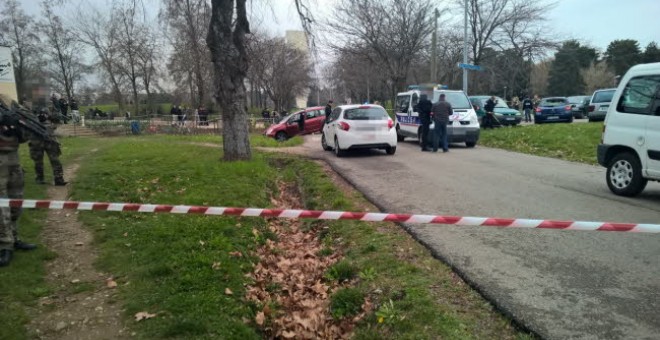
column 470, row 67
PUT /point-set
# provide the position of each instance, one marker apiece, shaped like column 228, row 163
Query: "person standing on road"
column 424, row 108
column 441, row 112
column 528, row 106
column 11, row 186
column 489, row 108
column 328, row 111
column 301, row 123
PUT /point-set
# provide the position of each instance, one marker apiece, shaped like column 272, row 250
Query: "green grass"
column 572, row 142
column 22, row 283
column 178, row 266
column 256, row 140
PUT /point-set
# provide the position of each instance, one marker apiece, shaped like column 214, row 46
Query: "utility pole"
column 465, row 48
column 434, row 48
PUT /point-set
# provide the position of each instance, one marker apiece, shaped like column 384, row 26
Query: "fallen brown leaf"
column 259, row 319
column 215, row 265
column 228, row 291
column 110, row 283
column 236, row 254
column 143, row 316
column 289, row 335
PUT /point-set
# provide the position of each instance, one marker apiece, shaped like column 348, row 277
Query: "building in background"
column 7, row 80
column 298, row 40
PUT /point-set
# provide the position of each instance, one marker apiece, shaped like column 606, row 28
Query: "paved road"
column 560, row 284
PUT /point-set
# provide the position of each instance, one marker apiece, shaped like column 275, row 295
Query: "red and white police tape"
column 333, row 215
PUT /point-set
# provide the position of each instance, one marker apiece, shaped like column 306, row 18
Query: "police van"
column 463, row 126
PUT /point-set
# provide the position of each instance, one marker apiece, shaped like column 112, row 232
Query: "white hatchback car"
column 351, row 127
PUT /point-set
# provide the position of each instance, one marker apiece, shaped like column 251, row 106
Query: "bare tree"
column 597, row 76
column 391, row 32
column 226, row 41
column 492, row 21
column 102, row 34
column 132, row 35
column 64, row 49
column 147, row 60
column 539, row 77
column 282, row 71
column 17, row 30
column 189, row 21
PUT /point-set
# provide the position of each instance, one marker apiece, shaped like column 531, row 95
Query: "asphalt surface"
column 558, row 284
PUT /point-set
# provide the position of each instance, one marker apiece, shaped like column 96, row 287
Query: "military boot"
column 20, row 245
column 5, row 257
column 39, row 170
column 59, row 181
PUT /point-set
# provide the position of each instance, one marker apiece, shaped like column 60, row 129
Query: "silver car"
column 600, row 102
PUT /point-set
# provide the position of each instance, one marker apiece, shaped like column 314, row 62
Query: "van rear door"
column 653, row 136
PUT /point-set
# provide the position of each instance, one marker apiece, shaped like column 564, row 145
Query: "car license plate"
column 603, row 108
column 553, row 117
column 510, row 119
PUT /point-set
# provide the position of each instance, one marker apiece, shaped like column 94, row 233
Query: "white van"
column 463, row 126
column 630, row 144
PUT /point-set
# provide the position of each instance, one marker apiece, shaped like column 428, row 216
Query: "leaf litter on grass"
column 289, row 281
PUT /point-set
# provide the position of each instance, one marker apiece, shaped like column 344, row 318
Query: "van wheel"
column 390, row 150
column 624, row 175
column 470, row 144
column 324, row 143
column 338, row 152
column 281, row 136
column 399, row 138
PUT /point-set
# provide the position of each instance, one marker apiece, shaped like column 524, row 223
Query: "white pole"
column 465, row 47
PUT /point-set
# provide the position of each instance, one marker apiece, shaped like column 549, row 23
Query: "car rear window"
column 372, row 113
column 553, row 102
column 576, row 100
column 603, row 96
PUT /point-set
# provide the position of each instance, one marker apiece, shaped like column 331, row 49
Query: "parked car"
column 600, row 102
column 353, row 127
column 553, row 109
column 503, row 114
column 630, row 144
column 579, row 106
column 288, row 126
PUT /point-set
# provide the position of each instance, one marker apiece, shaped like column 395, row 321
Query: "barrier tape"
column 333, row 215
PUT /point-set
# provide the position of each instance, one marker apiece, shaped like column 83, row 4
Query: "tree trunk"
column 226, row 41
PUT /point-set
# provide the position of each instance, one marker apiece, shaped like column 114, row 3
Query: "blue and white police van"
column 463, row 126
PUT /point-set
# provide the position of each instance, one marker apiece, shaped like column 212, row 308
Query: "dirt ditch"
column 289, row 283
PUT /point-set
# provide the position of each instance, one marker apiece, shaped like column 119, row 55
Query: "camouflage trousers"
column 11, row 186
column 37, row 149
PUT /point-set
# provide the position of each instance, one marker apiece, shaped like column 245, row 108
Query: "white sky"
column 596, row 22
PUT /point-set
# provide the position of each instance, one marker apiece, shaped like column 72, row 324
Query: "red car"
column 288, row 126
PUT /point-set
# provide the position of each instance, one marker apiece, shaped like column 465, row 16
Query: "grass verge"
column 256, row 140
column 190, row 270
column 571, row 142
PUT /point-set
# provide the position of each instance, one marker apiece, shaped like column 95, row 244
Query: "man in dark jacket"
column 301, row 123
column 489, row 108
column 424, row 108
column 328, row 110
column 528, row 106
column 441, row 112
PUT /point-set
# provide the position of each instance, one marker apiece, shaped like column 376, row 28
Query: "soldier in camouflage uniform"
column 11, row 186
column 38, row 146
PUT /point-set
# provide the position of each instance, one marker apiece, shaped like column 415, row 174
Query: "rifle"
column 22, row 117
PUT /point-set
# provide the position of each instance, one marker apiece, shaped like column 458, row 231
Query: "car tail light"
column 364, row 107
column 592, row 108
column 568, row 107
column 390, row 124
column 538, row 109
column 602, row 135
column 344, row 126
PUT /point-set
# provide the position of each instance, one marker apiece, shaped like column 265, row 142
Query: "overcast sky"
column 596, row 22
